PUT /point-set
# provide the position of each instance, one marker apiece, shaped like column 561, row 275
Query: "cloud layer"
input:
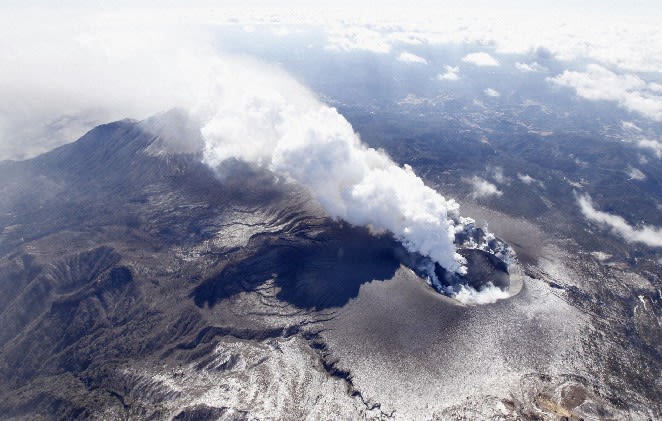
column 628, row 90
column 62, row 74
column 48, row 54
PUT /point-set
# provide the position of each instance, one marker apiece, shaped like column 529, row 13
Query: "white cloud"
column 636, row 174
column 651, row 144
column 528, row 68
column 406, row 57
column 483, row 188
column 655, row 87
column 451, row 73
column 497, row 175
column 355, row 37
column 480, row 59
column 646, row 234
column 632, row 42
column 413, row 99
column 492, row 92
column 629, row 91
column 630, row 126
column 527, row 179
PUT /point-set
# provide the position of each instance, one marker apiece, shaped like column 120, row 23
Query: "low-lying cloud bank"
column 646, row 234
column 48, row 52
column 628, row 90
column 62, row 73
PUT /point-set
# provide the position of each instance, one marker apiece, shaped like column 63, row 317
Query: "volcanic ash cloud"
column 260, row 115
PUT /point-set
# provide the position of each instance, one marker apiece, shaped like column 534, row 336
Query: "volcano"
column 139, row 283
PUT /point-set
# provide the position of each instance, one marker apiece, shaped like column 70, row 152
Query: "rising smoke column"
column 258, row 114
column 114, row 68
column 109, row 70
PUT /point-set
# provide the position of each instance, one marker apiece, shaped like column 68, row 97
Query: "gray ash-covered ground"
column 137, row 284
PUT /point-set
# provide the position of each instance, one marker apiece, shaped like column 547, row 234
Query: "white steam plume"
column 488, row 295
column 263, row 116
column 121, row 65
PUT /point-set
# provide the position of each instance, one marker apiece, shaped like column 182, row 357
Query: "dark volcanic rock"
column 484, row 268
column 320, row 272
column 206, row 413
column 119, row 251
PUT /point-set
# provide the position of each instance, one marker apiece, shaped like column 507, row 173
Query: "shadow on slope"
column 319, row 273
